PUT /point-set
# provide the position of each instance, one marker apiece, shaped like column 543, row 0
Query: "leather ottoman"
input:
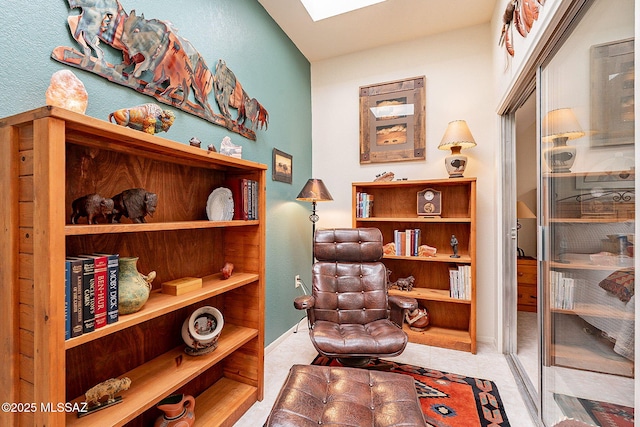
column 338, row 396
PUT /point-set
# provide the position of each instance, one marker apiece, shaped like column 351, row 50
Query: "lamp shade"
column 314, row 191
column 561, row 123
column 457, row 135
column 523, row 211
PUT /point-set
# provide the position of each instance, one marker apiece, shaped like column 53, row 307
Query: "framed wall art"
column 612, row 93
column 392, row 121
column 282, row 167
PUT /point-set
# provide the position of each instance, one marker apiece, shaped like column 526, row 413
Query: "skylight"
column 322, row 9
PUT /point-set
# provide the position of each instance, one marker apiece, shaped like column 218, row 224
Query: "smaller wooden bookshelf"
column 452, row 320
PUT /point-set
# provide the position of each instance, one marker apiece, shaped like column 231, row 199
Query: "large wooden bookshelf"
column 51, row 157
column 452, row 320
column 582, row 208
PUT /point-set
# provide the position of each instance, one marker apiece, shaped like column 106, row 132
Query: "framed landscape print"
column 282, row 167
column 392, row 121
column 612, row 93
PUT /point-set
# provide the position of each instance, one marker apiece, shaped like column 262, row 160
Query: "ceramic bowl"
column 202, row 328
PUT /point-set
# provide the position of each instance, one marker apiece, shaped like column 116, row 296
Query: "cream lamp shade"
column 560, row 126
column 456, row 137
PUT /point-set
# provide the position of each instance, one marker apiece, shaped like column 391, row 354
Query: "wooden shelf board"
column 86, row 229
column 428, row 294
column 416, row 219
column 584, row 266
column 404, row 183
column 590, row 220
column 576, row 357
column 223, row 403
column 441, row 337
column 87, row 130
column 464, row 259
column 157, row 378
column 160, row 304
column 596, row 310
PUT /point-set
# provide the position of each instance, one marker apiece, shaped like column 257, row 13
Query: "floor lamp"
column 314, row 191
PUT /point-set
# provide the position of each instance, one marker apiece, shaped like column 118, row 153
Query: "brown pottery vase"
column 178, row 411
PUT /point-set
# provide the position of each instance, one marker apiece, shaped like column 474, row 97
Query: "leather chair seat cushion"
column 378, row 338
column 337, row 396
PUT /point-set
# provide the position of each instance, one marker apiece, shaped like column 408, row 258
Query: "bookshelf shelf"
column 452, row 320
column 150, row 386
column 160, row 304
column 52, row 157
column 415, row 219
column 85, row 229
column 464, row 259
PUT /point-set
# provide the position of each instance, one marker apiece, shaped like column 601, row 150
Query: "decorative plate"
column 220, row 205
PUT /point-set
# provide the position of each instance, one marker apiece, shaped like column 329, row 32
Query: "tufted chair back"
column 349, row 281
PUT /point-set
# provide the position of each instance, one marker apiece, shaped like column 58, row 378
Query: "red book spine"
column 100, row 289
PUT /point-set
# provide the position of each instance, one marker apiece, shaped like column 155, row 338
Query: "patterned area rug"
column 593, row 412
column 448, row 400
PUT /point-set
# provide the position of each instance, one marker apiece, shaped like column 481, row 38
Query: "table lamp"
column 456, row 137
column 559, row 126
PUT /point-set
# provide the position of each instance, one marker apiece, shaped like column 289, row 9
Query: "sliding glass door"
column 587, row 218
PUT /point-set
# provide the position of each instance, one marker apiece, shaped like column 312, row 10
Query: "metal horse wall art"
column 158, row 62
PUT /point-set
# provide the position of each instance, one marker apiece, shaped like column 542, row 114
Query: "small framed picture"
column 282, row 168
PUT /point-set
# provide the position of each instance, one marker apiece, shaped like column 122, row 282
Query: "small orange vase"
column 178, row 411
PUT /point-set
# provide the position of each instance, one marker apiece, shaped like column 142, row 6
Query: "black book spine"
column 75, row 306
column 88, row 297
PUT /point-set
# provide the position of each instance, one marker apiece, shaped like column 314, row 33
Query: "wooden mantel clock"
column 429, row 202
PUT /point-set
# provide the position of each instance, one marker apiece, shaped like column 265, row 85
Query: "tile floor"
column 487, row 364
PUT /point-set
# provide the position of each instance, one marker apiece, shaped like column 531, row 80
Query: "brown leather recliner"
column 350, row 314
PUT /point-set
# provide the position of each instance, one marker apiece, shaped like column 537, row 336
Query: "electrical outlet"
column 297, row 281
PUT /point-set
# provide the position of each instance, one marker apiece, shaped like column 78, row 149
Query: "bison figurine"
column 134, row 203
column 149, row 118
column 107, row 388
column 91, row 206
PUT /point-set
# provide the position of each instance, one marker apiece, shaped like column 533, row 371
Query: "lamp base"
column 560, row 157
column 455, row 165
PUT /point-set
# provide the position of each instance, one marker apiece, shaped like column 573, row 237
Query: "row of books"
column 364, row 205
column 245, row 198
column 91, row 293
column 460, row 282
column 562, row 291
column 407, row 241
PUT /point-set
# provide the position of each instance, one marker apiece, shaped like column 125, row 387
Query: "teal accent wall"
column 266, row 62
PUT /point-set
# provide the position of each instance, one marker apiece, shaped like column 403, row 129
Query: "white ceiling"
column 385, row 23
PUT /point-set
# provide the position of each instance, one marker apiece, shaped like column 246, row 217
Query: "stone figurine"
column 149, row 118
column 227, row 270
column 134, row 203
column 91, row 206
column 454, row 246
column 107, row 388
column 405, row 284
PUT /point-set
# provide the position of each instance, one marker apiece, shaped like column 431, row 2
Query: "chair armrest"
column 304, row 302
column 403, row 302
column 398, row 305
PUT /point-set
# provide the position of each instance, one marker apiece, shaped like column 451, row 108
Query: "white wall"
column 459, row 85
